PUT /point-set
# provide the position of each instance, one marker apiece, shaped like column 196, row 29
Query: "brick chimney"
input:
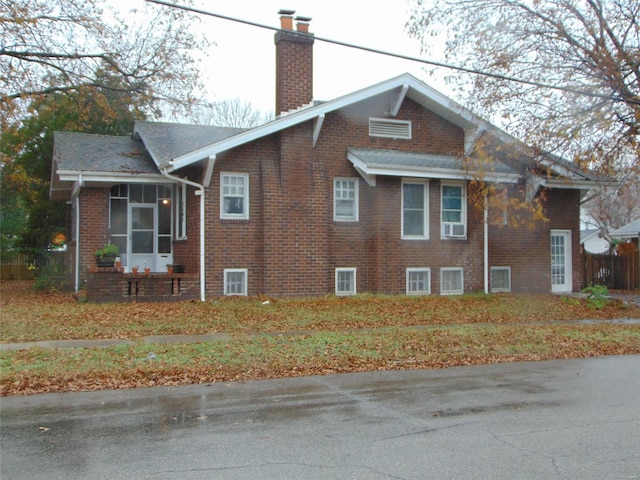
column 294, row 62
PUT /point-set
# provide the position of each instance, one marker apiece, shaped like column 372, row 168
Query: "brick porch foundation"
column 105, row 284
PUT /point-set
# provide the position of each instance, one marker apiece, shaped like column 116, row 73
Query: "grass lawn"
column 293, row 337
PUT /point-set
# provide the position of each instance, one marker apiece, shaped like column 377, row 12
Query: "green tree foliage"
column 28, row 147
column 86, row 66
column 589, row 49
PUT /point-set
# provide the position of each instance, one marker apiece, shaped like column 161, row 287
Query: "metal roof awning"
column 372, row 162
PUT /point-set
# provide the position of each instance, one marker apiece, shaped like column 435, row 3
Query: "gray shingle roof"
column 631, row 229
column 101, row 153
column 166, row 141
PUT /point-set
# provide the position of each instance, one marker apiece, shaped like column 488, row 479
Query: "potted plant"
column 134, row 269
column 169, row 269
column 106, row 256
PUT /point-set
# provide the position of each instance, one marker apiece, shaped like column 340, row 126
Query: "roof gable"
column 403, row 86
column 166, row 141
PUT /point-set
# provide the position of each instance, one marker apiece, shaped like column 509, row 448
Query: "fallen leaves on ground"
column 294, row 337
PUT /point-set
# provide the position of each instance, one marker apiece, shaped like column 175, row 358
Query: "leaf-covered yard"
column 269, row 338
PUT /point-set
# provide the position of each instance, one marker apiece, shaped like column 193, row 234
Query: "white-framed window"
column 451, row 281
column 181, row 211
column 235, row 281
column 345, row 281
column 234, row 195
column 345, row 199
column 500, row 279
column 415, row 209
column 390, row 128
column 453, row 210
column 418, row 281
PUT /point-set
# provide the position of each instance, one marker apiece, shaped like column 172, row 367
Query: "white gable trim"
column 110, row 177
column 415, row 89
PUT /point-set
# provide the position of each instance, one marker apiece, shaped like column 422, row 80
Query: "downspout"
column 486, row 246
column 77, row 273
column 76, row 197
column 199, row 192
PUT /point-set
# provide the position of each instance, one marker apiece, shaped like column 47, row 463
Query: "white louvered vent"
column 384, row 127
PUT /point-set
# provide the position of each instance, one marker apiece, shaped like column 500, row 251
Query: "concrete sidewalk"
column 110, row 342
column 219, row 337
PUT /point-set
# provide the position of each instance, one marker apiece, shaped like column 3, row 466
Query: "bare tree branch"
column 53, row 46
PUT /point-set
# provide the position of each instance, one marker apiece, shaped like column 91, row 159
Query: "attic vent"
column 384, row 127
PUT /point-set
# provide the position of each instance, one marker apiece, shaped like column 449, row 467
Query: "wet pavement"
column 575, row 419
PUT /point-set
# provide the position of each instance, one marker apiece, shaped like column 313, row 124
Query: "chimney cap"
column 303, row 19
column 286, row 11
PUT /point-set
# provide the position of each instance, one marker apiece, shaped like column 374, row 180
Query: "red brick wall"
column 94, row 225
column 106, row 285
column 187, row 252
column 528, row 250
column 291, row 245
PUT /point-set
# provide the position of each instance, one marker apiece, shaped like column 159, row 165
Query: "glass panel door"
column 561, row 274
column 143, row 235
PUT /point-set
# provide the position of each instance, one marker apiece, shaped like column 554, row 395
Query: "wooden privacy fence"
column 25, row 266
column 617, row 272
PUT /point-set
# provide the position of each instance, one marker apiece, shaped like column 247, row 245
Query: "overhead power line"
column 397, row 55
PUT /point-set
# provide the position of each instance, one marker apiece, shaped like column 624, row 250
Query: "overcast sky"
column 242, row 62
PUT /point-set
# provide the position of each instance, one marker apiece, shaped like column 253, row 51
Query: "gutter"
column 200, row 193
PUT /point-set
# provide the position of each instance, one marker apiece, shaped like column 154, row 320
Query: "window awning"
column 372, row 162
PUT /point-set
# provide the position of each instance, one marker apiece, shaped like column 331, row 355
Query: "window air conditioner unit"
column 454, row 230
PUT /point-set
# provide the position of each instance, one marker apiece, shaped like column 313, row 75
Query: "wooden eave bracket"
column 470, row 137
column 370, row 179
column 532, row 185
column 317, row 128
column 401, row 97
column 209, row 165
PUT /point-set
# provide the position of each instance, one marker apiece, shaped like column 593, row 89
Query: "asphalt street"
column 564, row 419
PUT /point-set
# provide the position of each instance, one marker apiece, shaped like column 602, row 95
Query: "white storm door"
column 143, row 236
column 561, row 273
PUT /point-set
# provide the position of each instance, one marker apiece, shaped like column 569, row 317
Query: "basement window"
column 451, row 281
column 235, row 281
column 418, row 281
column 345, row 281
column 500, row 279
column 387, row 128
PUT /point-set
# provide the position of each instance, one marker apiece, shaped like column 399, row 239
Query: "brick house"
column 369, row 192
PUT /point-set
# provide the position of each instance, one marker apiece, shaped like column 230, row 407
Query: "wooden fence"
column 616, row 272
column 25, row 266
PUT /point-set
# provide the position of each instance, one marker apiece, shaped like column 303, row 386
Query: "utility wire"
column 396, row 55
